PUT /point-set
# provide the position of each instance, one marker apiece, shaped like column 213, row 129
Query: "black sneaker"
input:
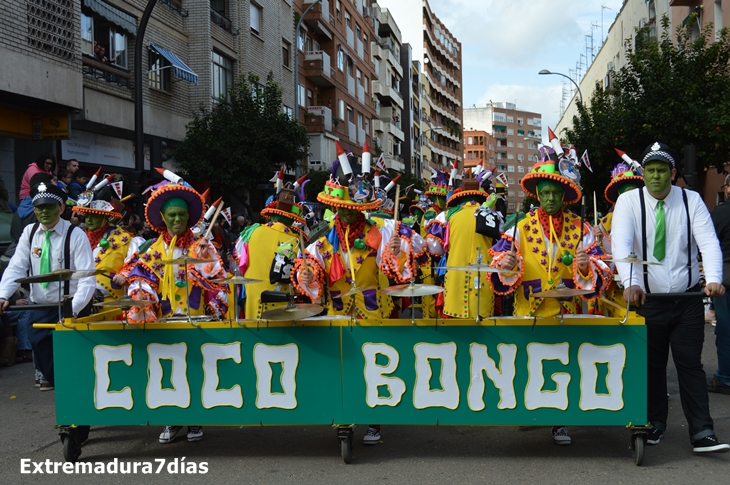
column 716, row 385
column 710, row 444
column 654, row 437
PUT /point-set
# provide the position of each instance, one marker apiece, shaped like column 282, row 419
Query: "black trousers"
column 678, row 324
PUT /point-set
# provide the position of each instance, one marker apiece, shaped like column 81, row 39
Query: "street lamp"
column 545, row 71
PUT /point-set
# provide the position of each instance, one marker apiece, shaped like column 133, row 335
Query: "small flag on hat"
column 380, row 164
column 501, row 177
column 227, row 214
column 117, row 186
column 586, row 161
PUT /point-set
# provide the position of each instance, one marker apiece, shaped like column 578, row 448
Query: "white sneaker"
column 560, row 435
column 168, row 434
column 195, row 433
column 372, row 436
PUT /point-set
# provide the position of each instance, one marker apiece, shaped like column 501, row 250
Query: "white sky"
column 506, row 43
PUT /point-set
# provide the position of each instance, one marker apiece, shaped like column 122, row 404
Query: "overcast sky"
column 506, row 43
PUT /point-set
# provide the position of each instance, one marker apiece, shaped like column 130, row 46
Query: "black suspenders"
column 644, row 244
column 66, row 253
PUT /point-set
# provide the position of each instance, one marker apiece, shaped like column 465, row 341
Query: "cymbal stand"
column 413, row 308
column 60, row 307
column 187, row 296
column 479, row 286
column 628, row 300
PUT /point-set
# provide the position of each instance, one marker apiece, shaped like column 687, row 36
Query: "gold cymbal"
column 236, row 280
column 59, row 275
column 561, row 292
column 357, row 289
column 632, row 260
column 412, row 290
column 292, row 312
column 125, row 303
column 187, row 260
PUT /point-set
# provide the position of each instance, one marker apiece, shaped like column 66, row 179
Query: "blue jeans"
column 22, row 318
column 722, row 337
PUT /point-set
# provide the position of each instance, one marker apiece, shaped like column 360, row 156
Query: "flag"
column 117, row 186
column 586, row 162
column 501, row 177
column 227, row 214
column 381, row 163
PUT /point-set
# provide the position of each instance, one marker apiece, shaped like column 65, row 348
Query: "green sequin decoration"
column 180, row 284
column 104, row 242
column 567, row 258
column 359, row 244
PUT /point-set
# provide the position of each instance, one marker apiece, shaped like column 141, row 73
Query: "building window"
column 341, row 109
column 511, row 206
column 288, row 112
column 520, row 168
column 221, row 76
column 521, row 193
column 285, row 53
column 510, row 119
column 510, row 168
column 301, row 95
column 219, row 7
column 510, row 131
column 511, row 193
column 104, row 41
column 470, row 141
column 256, row 14
column 310, row 98
column 502, row 167
column 301, row 40
column 87, row 34
column 159, row 73
column 511, row 144
column 520, row 144
column 340, row 59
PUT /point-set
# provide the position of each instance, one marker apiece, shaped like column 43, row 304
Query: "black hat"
column 47, row 194
column 658, row 151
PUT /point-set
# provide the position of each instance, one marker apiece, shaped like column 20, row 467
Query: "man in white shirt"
column 665, row 224
column 41, row 249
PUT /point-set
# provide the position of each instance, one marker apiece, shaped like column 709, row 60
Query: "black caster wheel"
column 71, row 446
column 346, row 449
column 638, row 444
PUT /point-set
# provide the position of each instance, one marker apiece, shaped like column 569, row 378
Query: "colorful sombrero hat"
column 621, row 177
column 547, row 171
column 439, row 186
column 274, row 208
column 469, row 188
column 165, row 192
column 100, row 204
column 358, row 194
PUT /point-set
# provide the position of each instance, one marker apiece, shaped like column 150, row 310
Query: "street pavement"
column 407, row 455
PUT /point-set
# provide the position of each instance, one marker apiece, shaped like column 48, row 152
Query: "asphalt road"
column 310, row 455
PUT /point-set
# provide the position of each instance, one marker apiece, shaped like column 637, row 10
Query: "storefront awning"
column 179, row 68
column 697, row 10
column 520, row 132
column 114, row 15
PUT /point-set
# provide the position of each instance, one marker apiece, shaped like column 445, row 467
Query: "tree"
column 675, row 93
column 242, row 140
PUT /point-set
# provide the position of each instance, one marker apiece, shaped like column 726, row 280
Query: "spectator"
column 64, row 179
column 77, row 185
column 25, row 215
column 720, row 380
column 46, row 163
column 4, row 197
column 72, row 166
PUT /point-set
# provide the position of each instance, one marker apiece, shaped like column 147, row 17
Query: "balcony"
column 387, row 23
column 352, row 132
column 394, row 61
column 360, row 94
column 387, row 92
column 317, row 67
column 389, row 126
column 319, row 18
column 376, row 52
column 360, row 136
column 106, row 72
column 318, row 119
column 222, row 22
column 350, row 37
column 360, row 49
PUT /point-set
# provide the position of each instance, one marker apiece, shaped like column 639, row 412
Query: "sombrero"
column 547, row 171
column 100, row 204
column 358, row 195
column 153, row 210
column 622, row 177
column 439, row 187
column 469, row 188
column 273, row 209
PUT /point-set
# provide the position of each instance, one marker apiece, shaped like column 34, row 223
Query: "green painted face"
column 95, row 221
column 658, row 178
column 440, row 201
column 348, row 216
column 176, row 220
column 48, row 214
column 551, row 199
column 284, row 220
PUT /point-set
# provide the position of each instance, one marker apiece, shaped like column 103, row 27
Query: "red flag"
column 586, row 162
column 381, row 163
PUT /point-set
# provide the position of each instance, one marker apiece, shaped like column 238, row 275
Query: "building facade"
column 62, row 95
column 517, row 136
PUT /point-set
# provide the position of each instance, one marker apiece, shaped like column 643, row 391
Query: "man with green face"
column 667, row 225
column 42, row 248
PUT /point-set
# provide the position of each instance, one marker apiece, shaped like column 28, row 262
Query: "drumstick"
column 595, row 210
column 397, row 203
column 610, row 303
column 302, row 247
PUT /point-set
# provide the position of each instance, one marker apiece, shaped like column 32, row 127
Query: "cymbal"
column 125, row 303
column 59, row 275
column 326, row 318
column 357, row 289
column 411, row 290
column 187, row 260
column 236, row 280
column 633, row 260
column 292, row 312
column 475, row 267
column 561, row 292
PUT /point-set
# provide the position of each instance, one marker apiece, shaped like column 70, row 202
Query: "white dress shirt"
column 25, row 258
column 671, row 276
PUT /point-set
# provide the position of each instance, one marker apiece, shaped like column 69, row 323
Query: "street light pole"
column 138, row 102
column 545, row 71
column 296, row 65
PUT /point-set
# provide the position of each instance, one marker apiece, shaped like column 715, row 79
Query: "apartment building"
column 59, row 94
column 336, row 78
column 439, row 54
column 410, row 90
column 517, row 138
column 480, row 148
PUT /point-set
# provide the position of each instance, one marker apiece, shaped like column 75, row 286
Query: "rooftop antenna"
column 603, row 7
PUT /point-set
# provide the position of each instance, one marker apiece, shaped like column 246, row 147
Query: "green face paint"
column 94, row 221
column 176, row 220
column 48, row 214
column 551, row 198
column 348, row 216
column 658, row 178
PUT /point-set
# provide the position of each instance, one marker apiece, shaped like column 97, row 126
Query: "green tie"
column 46, row 257
column 660, row 236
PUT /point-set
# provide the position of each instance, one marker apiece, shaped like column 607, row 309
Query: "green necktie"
column 660, row 236
column 46, row 257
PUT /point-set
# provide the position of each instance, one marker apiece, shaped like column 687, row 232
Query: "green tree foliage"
column 678, row 93
column 242, row 140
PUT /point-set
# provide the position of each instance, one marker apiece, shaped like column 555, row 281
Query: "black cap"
column 659, row 151
column 47, row 194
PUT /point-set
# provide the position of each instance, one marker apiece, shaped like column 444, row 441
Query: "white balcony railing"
column 351, row 85
column 360, row 49
column 350, row 37
column 360, row 136
column 352, row 131
column 361, row 94
column 325, row 112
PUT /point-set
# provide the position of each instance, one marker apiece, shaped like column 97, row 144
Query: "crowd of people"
column 360, row 247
